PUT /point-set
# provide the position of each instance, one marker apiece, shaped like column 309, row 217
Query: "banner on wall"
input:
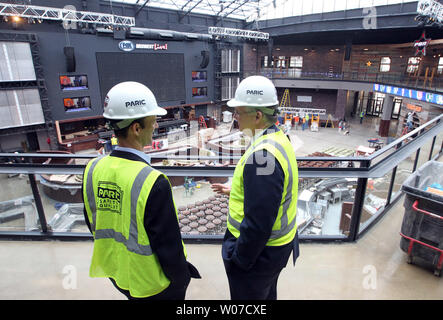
column 410, row 93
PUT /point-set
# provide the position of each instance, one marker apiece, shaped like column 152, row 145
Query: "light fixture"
column 365, row 49
column 306, row 49
column 16, row 19
column 278, row 49
column 337, row 49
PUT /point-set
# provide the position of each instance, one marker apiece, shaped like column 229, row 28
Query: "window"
column 296, row 62
column 229, row 85
column 295, row 65
column 230, row 60
column 281, row 62
column 68, row 83
column 265, row 63
column 413, row 63
column 385, row 64
column 440, row 66
column 77, row 104
column 199, row 76
column 199, row 92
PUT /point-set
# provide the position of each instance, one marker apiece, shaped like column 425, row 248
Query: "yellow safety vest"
column 115, row 192
column 285, row 226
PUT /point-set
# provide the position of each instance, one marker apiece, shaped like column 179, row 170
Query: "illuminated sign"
column 421, row 44
column 413, row 107
column 410, row 93
column 129, row 46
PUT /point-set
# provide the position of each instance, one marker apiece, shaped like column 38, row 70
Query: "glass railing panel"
column 376, row 196
column 62, row 201
column 404, row 170
column 18, row 211
column 324, row 206
column 200, row 210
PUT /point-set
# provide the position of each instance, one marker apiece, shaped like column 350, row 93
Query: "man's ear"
column 135, row 128
column 258, row 115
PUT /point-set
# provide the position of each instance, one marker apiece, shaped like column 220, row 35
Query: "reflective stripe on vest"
column 285, row 228
column 287, row 209
column 132, row 242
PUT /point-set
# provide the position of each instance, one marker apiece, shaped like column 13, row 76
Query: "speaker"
column 205, row 59
column 348, row 52
column 70, row 59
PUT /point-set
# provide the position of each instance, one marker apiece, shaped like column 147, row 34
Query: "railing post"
column 417, row 155
column 391, row 185
column 432, row 147
column 358, row 205
column 38, row 203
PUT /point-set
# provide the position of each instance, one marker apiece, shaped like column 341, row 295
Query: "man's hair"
column 123, row 132
column 270, row 114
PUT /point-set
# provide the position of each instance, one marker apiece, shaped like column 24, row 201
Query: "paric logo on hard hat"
column 135, row 103
column 255, row 92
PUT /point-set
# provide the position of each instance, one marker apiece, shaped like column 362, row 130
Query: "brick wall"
column 325, row 58
column 321, row 99
column 315, row 58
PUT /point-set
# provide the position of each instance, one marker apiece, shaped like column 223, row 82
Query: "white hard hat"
column 130, row 100
column 255, row 91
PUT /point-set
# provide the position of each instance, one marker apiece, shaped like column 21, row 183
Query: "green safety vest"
column 115, row 191
column 285, row 226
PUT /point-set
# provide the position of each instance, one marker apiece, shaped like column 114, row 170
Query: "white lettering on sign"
column 151, row 46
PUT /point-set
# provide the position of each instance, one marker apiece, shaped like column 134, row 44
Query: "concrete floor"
column 374, row 267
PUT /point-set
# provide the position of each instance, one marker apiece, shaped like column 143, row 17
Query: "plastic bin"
column 422, row 227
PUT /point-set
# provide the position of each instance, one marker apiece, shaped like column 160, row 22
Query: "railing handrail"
column 403, row 138
column 366, row 169
column 390, row 78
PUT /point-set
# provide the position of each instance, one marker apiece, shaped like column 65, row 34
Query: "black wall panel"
column 163, row 73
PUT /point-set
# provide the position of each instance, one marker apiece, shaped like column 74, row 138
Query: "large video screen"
column 162, row 73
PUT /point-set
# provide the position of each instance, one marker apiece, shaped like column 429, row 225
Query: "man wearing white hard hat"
column 262, row 229
column 129, row 207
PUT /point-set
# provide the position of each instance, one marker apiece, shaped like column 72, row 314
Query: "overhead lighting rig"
column 430, row 12
column 65, row 15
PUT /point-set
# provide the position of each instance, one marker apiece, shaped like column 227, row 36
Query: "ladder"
column 327, row 121
column 285, row 99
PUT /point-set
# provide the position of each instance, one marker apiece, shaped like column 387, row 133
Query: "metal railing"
column 385, row 161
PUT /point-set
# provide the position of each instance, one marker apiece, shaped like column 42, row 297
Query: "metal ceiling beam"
column 223, row 9
column 235, row 9
column 189, row 11
column 140, row 9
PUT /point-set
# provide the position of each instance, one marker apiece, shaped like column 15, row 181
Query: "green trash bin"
column 422, row 226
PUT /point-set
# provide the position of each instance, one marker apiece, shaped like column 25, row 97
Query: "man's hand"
column 221, row 188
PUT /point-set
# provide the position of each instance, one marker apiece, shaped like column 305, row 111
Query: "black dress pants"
column 250, row 285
